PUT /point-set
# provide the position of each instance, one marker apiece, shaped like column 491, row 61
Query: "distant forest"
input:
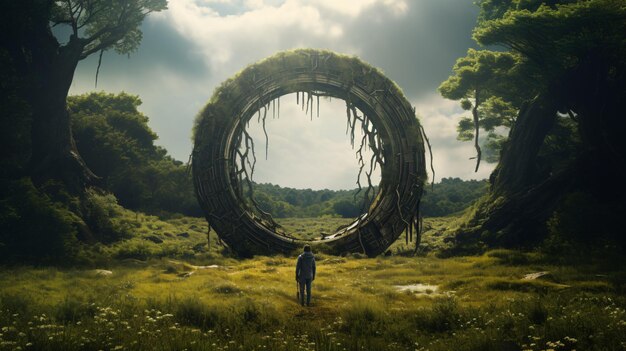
column 447, row 197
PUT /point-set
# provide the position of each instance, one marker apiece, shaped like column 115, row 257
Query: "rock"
column 155, row 239
column 418, row 288
column 102, row 272
column 207, row 267
column 183, row 234
column 533, row 276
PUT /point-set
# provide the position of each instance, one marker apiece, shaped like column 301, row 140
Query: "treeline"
column 451, row 195
column 447, row 197
column 288, row 202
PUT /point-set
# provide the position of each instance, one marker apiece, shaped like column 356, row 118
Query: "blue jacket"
column 305, row 267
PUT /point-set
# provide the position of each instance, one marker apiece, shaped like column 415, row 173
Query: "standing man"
column 305, row 273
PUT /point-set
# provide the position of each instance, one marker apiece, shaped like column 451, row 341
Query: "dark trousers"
column 305, row 283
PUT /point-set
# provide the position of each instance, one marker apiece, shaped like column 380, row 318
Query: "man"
column 305, row 273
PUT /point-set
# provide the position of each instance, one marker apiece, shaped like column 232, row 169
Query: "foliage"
column 34, row 228
column 114, row 138
column 484, row 82
column 100, row 25
column 446, row 197
column 52, row 226
column 98, row 212
column 289, row 202
column 567, row 84
column 547, row 41
column 583, row 221
column 451, row 195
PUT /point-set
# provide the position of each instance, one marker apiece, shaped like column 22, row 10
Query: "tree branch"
column 476, row 128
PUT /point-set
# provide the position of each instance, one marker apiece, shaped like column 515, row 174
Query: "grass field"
column 177, row 295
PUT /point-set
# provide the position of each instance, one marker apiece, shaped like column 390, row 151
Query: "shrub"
column 98, row 211
column 34, row 228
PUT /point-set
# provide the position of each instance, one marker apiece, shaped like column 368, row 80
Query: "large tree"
column 568, row 134
column 47, row 66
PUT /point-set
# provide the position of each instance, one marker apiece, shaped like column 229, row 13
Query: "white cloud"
column 260, row 28
column 211, row 40
column 307, row 153
column 355, row 7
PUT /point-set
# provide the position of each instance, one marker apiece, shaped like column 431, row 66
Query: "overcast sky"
column 189, row 49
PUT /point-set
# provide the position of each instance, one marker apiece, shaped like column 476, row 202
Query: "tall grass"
column 482, row 304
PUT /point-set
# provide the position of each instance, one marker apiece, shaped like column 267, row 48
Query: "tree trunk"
column 523, row 195
column 54, row 153
column 518, row 168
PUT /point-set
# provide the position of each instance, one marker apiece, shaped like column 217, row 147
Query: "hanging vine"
column 309, row 100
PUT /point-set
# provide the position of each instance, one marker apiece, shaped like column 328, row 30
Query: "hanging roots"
column 370, row 138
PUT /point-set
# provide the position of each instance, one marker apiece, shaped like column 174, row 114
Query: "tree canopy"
column 484, row 82
column 554, row 74
column 101, row 25
column 115, row 140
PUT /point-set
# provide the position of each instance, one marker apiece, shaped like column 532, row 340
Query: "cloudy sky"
column 192, row 47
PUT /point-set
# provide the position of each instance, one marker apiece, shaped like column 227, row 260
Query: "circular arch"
column 220, row 124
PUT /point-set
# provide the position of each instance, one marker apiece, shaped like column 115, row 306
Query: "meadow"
column 165, row 289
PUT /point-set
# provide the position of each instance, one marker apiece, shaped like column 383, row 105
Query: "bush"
column 98, row 210
column 583, row 219
column 33, row 228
